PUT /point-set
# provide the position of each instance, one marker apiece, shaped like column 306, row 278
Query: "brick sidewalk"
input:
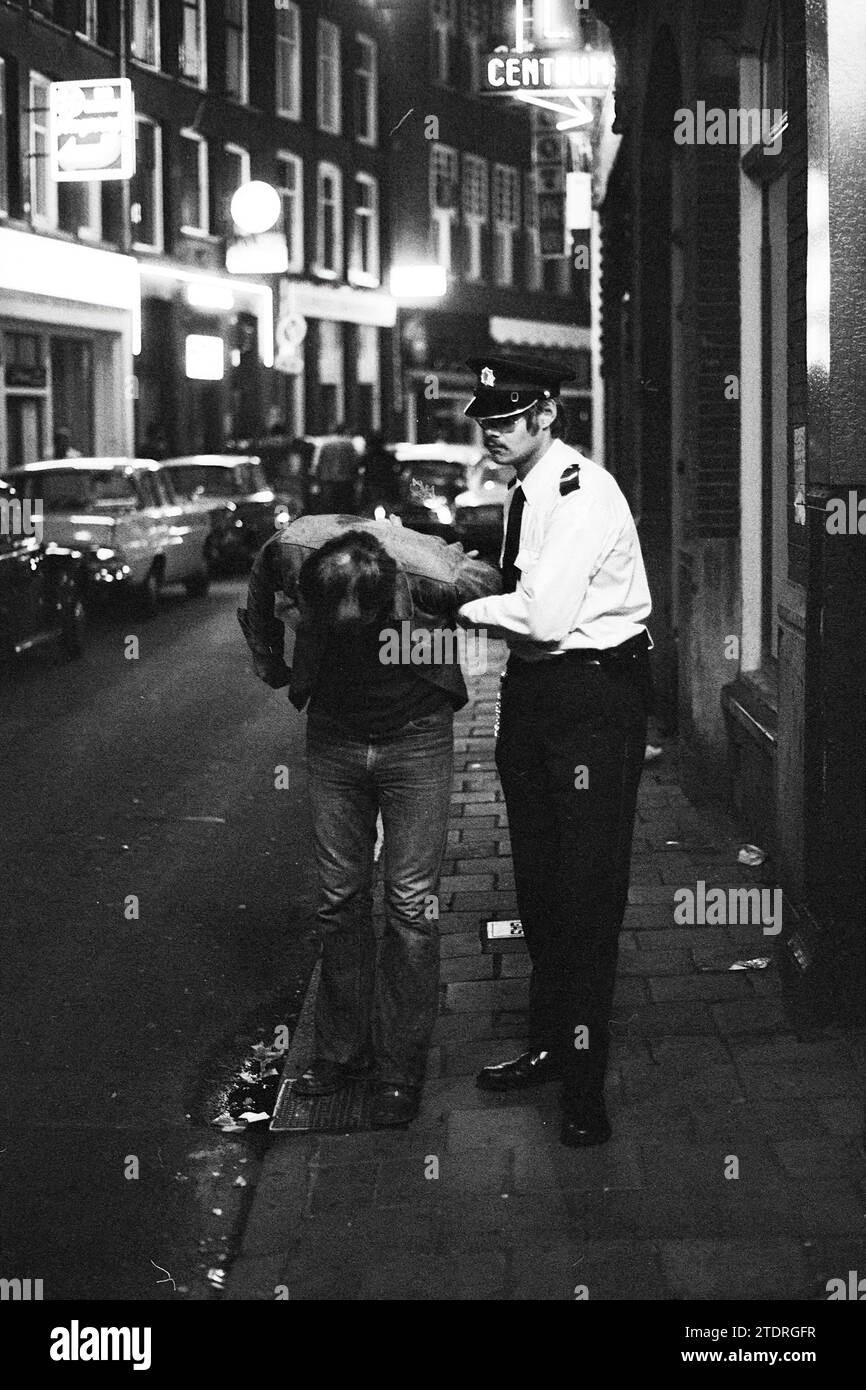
column 704, row 1069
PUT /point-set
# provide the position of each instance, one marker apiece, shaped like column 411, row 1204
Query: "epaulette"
column 570, row 480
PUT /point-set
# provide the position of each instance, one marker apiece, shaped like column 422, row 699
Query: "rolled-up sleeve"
column 264, row 632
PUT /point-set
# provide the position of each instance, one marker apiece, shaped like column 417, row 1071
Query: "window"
column 475, row 39
column 329, row 222
column 290, row 182
column 237, row 49
column 444, row 20
column 443, row 201
column 43, row 189
column 87, row 21
column 236, row 171
column 195, row 190
column 192, row 54
column 475, row 212
column 331, row 391
column 366, row 91
column 328, row 92
column 4, row 138
column 47, row 8
column 146, row 188
column 364, row 268
column 79, row 209
column 145, row 32
column 534, row 271
column 289, row 60
column 506, row 221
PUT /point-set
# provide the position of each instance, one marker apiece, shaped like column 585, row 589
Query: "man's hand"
column 273, row 671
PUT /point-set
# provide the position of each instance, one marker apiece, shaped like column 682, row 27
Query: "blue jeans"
column 408, row 776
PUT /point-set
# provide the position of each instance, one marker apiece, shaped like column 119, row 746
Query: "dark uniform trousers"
column 570, row 751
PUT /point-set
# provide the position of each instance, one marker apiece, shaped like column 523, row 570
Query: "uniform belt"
column 634, row 647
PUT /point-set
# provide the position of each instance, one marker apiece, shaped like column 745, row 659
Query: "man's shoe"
column 393, row 1105
column 321, row 1078
column 581, row 1128
column 529, row 1069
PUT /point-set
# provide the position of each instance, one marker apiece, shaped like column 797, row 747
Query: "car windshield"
column 495, row 474
column 74, row 490
column 203, row 480
column 433, row 478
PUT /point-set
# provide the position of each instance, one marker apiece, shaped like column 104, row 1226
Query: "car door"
column 24, row 614
column 187, row 524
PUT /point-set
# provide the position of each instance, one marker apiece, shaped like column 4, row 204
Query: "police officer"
column 572, row 727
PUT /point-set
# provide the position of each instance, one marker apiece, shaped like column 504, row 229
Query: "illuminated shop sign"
column 91, row 129
column 589, row 72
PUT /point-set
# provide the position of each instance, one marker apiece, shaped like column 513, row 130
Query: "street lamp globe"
column 255, row 207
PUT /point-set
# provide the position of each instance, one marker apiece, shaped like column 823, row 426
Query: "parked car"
column 123, row 515
column 40, row 597
column 479, row 510
column 319, row 473
column 432, row 477
column 253, row 510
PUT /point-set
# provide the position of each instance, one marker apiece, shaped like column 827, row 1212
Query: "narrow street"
column 151, row 777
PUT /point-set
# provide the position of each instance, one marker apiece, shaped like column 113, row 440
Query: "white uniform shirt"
column 582, row 578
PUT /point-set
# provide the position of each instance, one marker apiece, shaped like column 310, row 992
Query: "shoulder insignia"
column 570, row 480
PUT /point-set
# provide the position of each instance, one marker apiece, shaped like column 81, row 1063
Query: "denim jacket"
column 433, row 580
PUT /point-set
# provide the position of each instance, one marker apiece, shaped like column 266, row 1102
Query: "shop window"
column 72, row 391
column 195, row 190
column 288, row 59
column 366, row 90
column 290, row 175
column 43, row 189
column 533, row 273
column 145, row 32
column 506, row 221
column 444, row 179
column 237, row 49
column 146, row 190
column 329, row 80
column 364, row 269
column 475, row 212
column 329, row 222
column 192, row 54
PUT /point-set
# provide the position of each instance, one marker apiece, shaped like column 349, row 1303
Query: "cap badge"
column 487, row 377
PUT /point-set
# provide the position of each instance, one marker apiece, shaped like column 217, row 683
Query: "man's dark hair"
column 558, row 428
column 349, row 581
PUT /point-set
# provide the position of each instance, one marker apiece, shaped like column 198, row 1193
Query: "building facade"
column 225, row 91
column 463, row 198
column 732, row 229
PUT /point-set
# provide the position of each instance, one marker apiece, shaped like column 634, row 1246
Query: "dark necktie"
column 510, row 572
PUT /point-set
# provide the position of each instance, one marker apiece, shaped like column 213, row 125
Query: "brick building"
column 730, row 356
column 463, row 198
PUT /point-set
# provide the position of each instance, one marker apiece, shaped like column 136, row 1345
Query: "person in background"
column 379, row 739
column 63, row 444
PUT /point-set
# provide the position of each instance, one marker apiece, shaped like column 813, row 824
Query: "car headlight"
column 444, row 514
column 103, row 553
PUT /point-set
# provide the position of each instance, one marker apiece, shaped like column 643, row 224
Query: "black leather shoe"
column 393, row 1105
column 529, row 1069
column 583, row 1128
column 321, row 1078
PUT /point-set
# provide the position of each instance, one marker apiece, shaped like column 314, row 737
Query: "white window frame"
column 243, row 156
column 288, row 51
column 293, row 208
column 4, row 159
column 199, row 77
column 90, row 32
column 328, row 75
column 505, row 228
column 156, row 190
column 150, row 10
column 203, row 185
column 325, row 272
column 476, row 177
column 443, row 26
column 368, row 276
column 443, row 218
column 370, row 136
column 38, row 150
column 243, row 93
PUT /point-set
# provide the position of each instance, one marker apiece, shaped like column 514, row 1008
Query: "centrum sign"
column 91, row 130
column 589, row 72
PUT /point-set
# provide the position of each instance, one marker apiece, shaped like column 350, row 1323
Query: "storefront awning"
column 538, row 333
